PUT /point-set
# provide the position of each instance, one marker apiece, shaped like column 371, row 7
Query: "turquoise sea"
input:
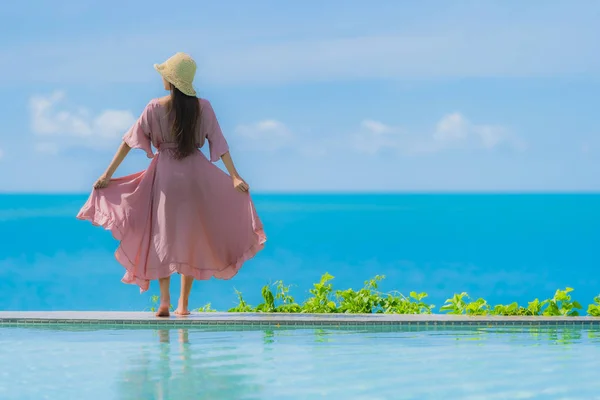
column 500, row 247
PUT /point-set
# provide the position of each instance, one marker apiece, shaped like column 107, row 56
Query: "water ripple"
column 483, row 363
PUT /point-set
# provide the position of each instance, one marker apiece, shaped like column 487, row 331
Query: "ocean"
column 503, row 248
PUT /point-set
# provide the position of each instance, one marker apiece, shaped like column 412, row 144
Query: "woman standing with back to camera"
column 183, row 214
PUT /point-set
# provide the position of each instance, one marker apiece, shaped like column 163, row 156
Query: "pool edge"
column 22, row 318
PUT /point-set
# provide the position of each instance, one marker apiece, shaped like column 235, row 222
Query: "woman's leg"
column 165, row 297
column 186, row 288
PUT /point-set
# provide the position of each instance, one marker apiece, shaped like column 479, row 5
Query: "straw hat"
column 179, row 70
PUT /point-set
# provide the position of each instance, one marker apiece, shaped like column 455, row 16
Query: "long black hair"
column 186, row 111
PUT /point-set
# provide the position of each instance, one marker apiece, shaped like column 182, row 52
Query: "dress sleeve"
column 212, row 131
column 138, row 136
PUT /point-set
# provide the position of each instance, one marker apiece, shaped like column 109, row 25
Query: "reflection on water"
column 269, row 336
column 173, row 367
column 264, row 362
column 321, row 336
column 180, row 370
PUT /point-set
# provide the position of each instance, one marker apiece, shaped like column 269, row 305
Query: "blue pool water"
column 501, row 247
column 133, row 364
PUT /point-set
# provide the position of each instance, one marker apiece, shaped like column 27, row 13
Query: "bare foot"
column 182, row 311
column 163, row 311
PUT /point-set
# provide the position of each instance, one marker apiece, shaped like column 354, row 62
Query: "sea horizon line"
column 352, row 193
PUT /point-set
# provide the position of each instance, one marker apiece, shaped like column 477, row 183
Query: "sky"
column 313, row 96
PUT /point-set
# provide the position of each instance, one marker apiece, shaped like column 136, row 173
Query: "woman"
column 183, row 214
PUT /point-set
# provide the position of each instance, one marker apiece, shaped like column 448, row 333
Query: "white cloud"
column 451, row 128
column 113, row 123
column 75, row 127
column 46, row 121
column 375, row 126
column 267, row 135
column 270, row 135
column 453, row 131
column 376, row 136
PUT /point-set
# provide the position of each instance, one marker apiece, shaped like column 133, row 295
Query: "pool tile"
column 293, row 320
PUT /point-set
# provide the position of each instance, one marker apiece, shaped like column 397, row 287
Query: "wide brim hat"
column 179, row 70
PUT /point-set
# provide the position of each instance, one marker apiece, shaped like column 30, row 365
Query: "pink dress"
column 180, row 216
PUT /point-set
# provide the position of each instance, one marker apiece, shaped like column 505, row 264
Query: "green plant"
column 268, row 304
column 561, row 305
column 397, row 303
column 456, row 305
column 510, row 310
column 287, row 302
column 507, row 310
column 154, row 301
column 594, row 309
column 280, row 302
column 459, row 304
column 206, row 308
column 320, row 301
column 535, row 307
column 276, row 298
column 478, row 307
column 363, row 301
column 242, row 306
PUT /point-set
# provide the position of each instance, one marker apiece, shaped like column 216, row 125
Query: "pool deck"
column 254, row 319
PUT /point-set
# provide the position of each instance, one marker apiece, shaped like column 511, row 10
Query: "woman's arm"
column 120, row 155
column 238, row 182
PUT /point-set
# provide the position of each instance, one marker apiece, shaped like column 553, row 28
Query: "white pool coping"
column 220, row 318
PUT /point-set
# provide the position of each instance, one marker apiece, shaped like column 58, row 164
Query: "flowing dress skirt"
column 180, row 216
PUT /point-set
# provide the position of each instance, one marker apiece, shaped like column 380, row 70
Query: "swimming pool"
column 228, row 362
